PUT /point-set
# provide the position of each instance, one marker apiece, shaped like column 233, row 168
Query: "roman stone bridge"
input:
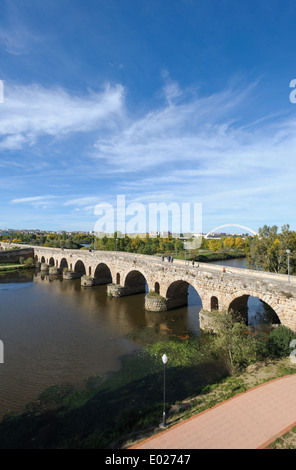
column 166, row 284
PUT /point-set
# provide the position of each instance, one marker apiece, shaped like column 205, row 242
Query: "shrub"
column 279, row 341
column 29, row 263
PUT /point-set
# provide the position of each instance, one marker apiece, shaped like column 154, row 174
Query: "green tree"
column 268, row 250
column 279, row 341
column 215, row 245
column 239, row 243
column 229, row 242
column 233, row 341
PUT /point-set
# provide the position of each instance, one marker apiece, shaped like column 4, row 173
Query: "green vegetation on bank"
column 54, row 240
column 226, row 248
column 23, row 264
column 110, row 413
column 268, row 250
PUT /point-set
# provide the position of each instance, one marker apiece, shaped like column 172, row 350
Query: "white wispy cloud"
column 190, row 148
column 33, row 111
column 35, row 201
column 191, row 130
column 17, row 40
column 82, row 201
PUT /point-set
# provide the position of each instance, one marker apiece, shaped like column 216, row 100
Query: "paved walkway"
column 250, row 420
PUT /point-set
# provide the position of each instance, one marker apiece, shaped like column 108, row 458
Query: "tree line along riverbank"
column 267, row 251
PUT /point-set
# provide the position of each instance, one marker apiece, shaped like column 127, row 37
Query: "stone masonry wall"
column 208, row 280
column 13, row 256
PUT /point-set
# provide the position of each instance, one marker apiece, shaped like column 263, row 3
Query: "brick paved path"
column 250, row 420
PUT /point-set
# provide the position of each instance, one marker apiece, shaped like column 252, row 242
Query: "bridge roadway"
column 129, row 273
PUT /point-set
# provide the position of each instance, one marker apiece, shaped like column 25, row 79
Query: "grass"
column 11, row 267
column 286, row 441
column 206, row 256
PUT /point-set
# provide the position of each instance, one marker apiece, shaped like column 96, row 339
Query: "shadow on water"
column 125, row 400
column 21, row 276
column 56, row 331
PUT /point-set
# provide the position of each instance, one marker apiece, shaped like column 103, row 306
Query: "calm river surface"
column 235, row 263
column 55, row 331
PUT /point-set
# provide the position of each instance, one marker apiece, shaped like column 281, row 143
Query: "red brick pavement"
column 250, row 420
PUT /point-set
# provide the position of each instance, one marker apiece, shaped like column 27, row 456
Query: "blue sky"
column 158, row 100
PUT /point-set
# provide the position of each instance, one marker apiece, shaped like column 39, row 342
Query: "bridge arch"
column 177, row 294
column 136, row 281
column 42, row 260
column 239, row 303
column 79, row 267
column 214, row 303
column 63, row 263
column 51, row 261
column 231, row 225
column 103, row 274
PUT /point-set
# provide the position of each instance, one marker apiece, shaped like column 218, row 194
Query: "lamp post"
column 185, row 244
column 164, row 360
column 288, row 253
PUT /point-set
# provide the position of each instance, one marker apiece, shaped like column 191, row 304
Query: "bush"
column 279, row 341
column 29, row 263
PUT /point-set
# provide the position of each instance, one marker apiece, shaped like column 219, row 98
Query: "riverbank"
column 12, row 267
column 207, row 256
column 120, row 410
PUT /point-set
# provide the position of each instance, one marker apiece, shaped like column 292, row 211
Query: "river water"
column 56, row 331
column 235, row 263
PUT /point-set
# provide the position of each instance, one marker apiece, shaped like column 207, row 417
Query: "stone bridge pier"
column 166, row 284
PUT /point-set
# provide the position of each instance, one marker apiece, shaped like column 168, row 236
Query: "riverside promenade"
column 250, row 420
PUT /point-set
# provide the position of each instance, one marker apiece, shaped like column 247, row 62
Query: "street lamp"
column 185, row 244
column 288, row 253
column 164, row 360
